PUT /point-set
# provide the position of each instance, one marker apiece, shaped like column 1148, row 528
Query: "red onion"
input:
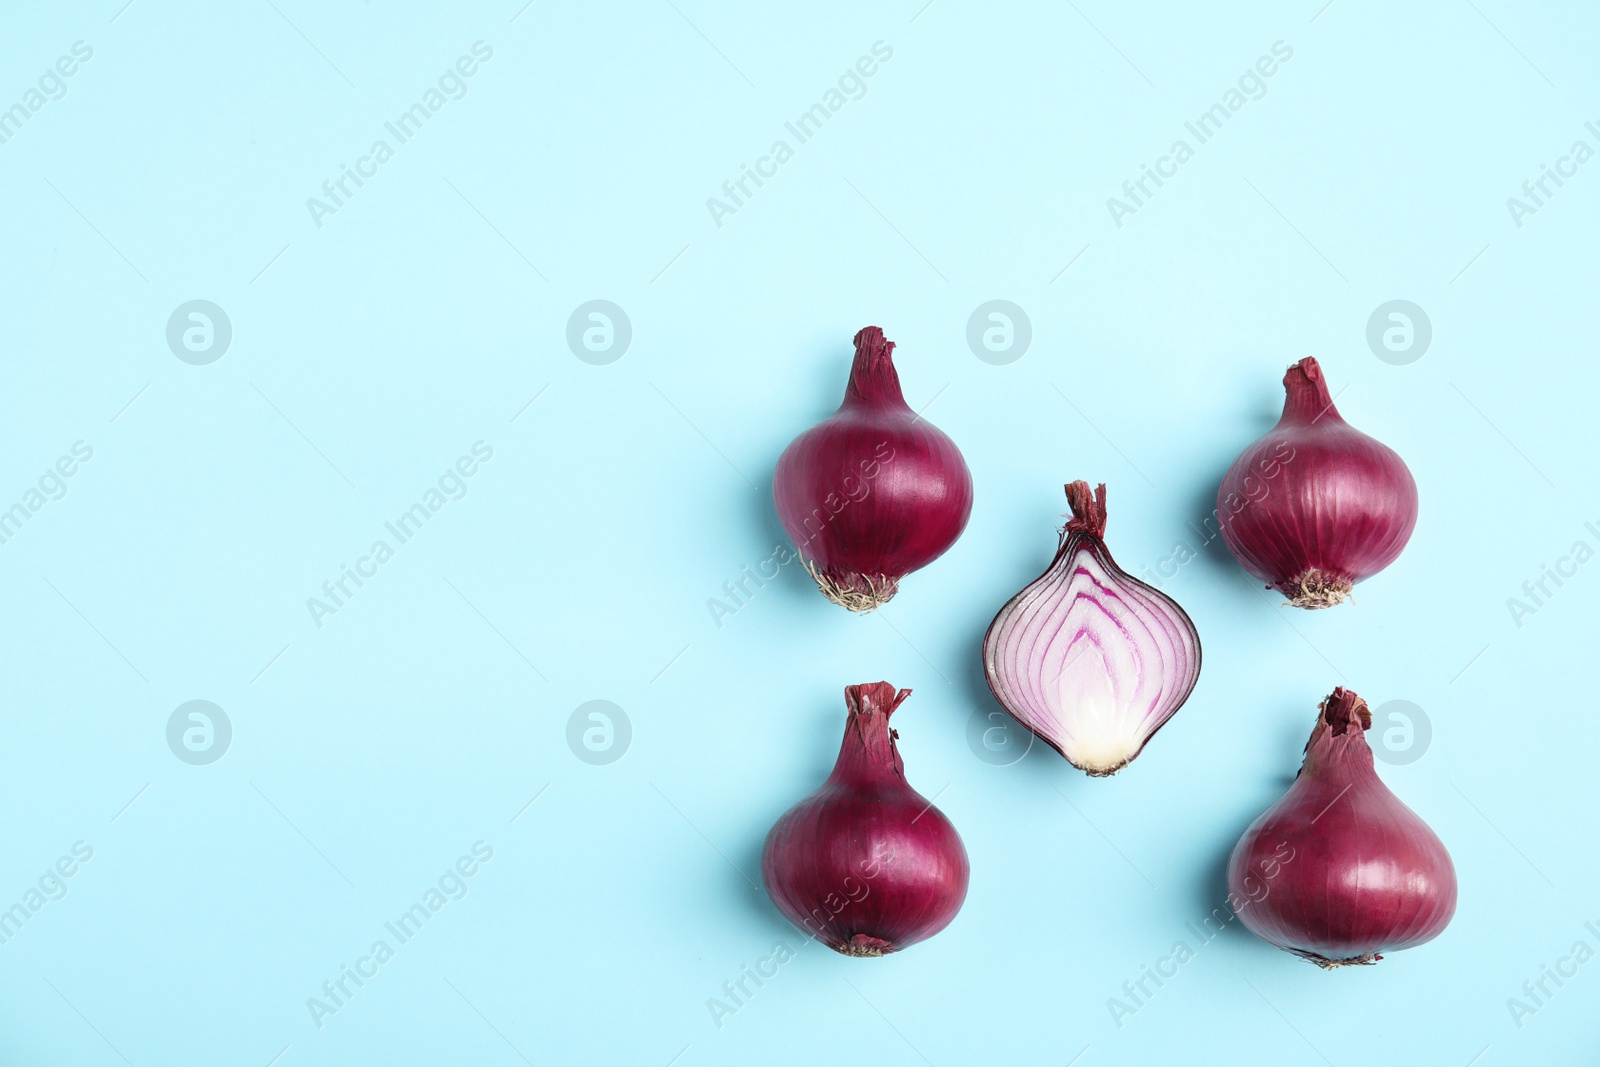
column 865, row 864
column 873, row 492
column 1366, row 875
column 1315, row 505
column 1088, row 657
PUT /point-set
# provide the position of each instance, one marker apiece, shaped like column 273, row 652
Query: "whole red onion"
column 865, row 864
column 1338, row 870
column 1315, row 505
column 873, row 492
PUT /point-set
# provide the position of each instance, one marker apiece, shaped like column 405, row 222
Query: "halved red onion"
column 1088, row 657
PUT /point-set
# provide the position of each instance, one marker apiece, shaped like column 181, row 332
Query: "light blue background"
column 370, row 353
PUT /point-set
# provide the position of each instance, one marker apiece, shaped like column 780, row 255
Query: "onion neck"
column 1085, row 529
column 1088, row 509
column 868, row 753
column 1306, row 398
column 873, row 379
column 1339, row 740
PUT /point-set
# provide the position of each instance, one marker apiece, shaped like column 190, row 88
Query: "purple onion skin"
column 1339, row 871
column 871, row 493
column 1315, row 505
column 865, row 864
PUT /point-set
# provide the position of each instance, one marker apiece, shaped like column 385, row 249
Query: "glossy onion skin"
column 1367, row 875
column 1316, row 505
column 871, row 493
column 866, row 864
column 1087, row 634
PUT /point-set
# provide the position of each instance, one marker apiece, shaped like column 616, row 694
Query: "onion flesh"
column 1088, row 657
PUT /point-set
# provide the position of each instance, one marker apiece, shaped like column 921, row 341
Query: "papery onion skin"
column 873, row 492
column 1315, row 505
column 1088, row 657
column 1366, row 875
column 866, row 864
